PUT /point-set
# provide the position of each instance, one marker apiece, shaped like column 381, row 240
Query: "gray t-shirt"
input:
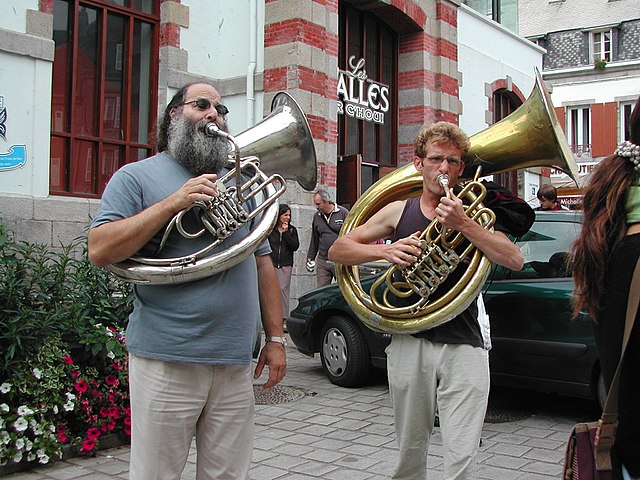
column 214, row 320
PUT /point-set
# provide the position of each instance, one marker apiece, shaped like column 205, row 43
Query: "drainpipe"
column 253, row 61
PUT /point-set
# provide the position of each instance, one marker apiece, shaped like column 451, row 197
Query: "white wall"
column 27, row 99
column 13, row 14
column 232, row 49
column 488, row 52
column 25, row 85
column 601, row 91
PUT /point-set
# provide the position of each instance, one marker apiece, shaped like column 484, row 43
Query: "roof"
column 538, row 17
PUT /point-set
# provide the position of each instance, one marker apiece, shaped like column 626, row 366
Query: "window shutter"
column 603, row 129
column 560, row 113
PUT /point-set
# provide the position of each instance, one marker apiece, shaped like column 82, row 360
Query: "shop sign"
column 359, row 96
column 584, row 168
column 16, row 157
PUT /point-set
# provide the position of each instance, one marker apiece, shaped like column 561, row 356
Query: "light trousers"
column 283, row 274
column 451, row 380
column 172, row 402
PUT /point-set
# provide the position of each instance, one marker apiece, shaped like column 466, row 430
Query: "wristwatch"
column 281, row 340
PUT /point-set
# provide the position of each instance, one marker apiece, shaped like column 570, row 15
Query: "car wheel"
column 344, row 353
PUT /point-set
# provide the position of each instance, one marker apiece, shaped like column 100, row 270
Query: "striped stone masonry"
column 301, row 57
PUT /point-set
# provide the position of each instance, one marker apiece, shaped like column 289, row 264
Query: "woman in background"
column 284, row 242
column 605, row 255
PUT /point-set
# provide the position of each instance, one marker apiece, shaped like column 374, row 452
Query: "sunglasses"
column 204, row 104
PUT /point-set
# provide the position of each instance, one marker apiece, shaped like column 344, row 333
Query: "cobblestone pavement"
column 321, row 431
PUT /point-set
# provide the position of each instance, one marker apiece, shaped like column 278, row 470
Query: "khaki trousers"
column 172, row 402
column 452, row 380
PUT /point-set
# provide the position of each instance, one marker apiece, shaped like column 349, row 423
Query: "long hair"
column 605, row 224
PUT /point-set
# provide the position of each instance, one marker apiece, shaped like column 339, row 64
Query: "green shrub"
column 63, row 362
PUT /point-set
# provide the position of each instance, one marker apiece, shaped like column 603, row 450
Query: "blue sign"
column 16, row 157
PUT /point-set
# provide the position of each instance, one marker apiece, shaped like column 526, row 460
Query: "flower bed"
column 63, row 366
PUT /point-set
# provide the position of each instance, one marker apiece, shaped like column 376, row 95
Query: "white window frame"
column 579, row 129
column 600, row 42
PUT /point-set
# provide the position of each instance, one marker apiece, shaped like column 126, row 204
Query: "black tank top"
column 463, row 329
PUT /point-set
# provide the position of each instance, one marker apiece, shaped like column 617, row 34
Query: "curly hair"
column 604, row 225
column 440, row 132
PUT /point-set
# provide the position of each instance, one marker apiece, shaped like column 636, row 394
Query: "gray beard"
column 194, row 150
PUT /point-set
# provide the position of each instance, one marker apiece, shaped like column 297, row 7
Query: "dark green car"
column 536, row 344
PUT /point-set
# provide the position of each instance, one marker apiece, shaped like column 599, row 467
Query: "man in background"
column 325, row 228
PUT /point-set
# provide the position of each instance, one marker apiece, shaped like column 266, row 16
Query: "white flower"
column 44, row 459
column 109, row 333
column 17, row 457
column 28, row 445
column 52, row 428
column 4, row 437
column 111, row 355
column 70, row 396
column 20, row 443
column 68, row 406
column 55, row 409
column 4, row 408
column 20, row 424
column 5, row 387
column 31, row 457
column 37, row 373
column 24, row 410
column 1, row 423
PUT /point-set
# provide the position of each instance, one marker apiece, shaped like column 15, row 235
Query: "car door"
column 536, row 341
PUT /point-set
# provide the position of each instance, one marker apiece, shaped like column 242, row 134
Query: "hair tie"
column 631, row 151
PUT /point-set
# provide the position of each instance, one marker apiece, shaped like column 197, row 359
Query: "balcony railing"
column 581, row 150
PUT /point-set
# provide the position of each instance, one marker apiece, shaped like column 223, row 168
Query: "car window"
column 545, row 248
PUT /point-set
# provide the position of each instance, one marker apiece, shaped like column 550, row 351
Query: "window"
column 601, row 46
column 504, row 103
column 504, row 12
column 579, row 130
column 104, row 89
column 363, row 36
column 625, row 112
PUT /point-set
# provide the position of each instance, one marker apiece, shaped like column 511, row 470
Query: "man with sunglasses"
column 443, row 370
column 190, row 345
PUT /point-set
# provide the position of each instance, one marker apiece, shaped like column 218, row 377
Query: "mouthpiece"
column 213, row 130
column 443, row 181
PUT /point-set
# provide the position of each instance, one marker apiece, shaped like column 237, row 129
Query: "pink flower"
column 82, row 386
column 87, row 446
column 75, row 374
column 62, row 437
column 95, row 393
column 93, row 433
column 111, row 380
column 127, row 430
column 67, row 359
column 127, row 421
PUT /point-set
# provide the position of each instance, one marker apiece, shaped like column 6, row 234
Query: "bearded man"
column 190, row 345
